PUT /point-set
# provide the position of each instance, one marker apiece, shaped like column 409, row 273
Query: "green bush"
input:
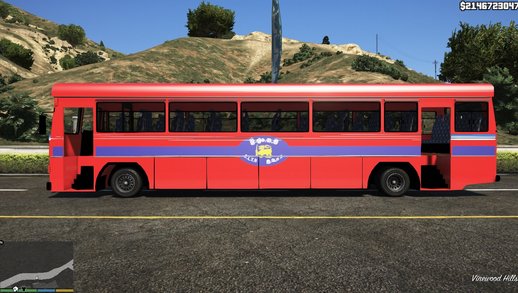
column 67, row 62
column 16, row 53
column 16, row 17
column 372, row 64
column 87, row 58
column 24, row 163
column 400, row 63
column 4, row 10
column 210, row 21
column 74, row 34
column 18, row 114
column 305, row 52
column 507, row 162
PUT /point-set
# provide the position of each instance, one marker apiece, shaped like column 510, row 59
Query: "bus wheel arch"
column 380, row 168
column 104, row 178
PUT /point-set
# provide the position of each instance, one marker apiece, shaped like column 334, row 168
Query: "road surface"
column 274, row 241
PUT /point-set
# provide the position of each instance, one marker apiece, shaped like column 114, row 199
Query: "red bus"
column 128, row 137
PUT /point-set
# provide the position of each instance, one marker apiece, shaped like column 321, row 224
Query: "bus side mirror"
column 42, row 126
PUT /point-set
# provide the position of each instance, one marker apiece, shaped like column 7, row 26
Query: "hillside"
column 40, row 35
column 217, row 61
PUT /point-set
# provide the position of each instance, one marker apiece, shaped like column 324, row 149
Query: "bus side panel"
column 369, row 163
column 294, row 172
column 180, row 173
column 336, row 172
column 231, row 173
column 472, row 170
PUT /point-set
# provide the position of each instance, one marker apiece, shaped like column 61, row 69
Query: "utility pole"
column 435, row 68
column 377, row 51
column 276, row 41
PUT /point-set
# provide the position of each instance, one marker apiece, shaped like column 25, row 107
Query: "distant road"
column 44, row 149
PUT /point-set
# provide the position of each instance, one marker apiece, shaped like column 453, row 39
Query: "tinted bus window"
column 400, row 117
column 130, row 117
column 346, row 116
column 471, row 116
column 275, row 116
column 203, row 117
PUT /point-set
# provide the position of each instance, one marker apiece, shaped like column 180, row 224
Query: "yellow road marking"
column 93, row 217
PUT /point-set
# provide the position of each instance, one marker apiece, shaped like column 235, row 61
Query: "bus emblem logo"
column 264, row 150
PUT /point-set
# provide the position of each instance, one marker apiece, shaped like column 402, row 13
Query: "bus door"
column 78, row 148
column 435, row 143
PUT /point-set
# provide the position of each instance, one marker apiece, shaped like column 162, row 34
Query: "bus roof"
column 163, row 90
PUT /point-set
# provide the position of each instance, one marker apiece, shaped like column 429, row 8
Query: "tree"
column 210, row 21
column 87, row 58
column 18, row 114
column 16, row 53
column 325, row 41
column 474, row 49
column 488, row 53
column 506, row 94
column 101, row 44
column 74, row 34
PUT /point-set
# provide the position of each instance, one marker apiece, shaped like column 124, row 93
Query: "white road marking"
column 492, row 189
column 13, row 189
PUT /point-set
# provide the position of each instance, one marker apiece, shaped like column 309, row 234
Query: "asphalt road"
column 268, row 254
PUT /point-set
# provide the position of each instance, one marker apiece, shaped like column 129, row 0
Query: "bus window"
column 203, row 117
column 71, row 121
column 274, row 116
column 401, row 117
column 130, row 117
column 471, row 117
column 346, row 116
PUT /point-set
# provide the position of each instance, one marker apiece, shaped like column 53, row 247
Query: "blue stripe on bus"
column 473, row 136
column 473, row 151
column 136, row 151
column 57, row 151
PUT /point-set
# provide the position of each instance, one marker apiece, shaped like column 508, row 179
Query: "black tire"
column 393, row 182
column 126, row 182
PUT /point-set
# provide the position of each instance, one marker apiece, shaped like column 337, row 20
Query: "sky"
column 415, row 31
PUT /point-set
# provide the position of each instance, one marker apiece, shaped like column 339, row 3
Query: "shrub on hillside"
column 372, row 64
column 87, row 58
column 67, row 62
column 210, row 21
column 400, row 63
column 16, row 53
column 74, row 34
column 4, row 10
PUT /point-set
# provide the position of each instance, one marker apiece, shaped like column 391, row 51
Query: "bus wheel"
column 126, row 182
column 394, row 182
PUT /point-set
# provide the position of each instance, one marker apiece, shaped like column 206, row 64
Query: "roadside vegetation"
column 37, row 163
column 24, row 163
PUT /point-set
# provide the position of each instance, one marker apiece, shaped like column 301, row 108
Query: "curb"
column 22, row 174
